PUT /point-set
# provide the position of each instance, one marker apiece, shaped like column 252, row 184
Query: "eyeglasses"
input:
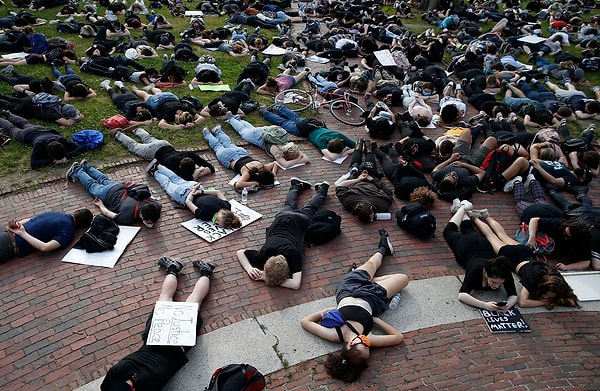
column 453, row 174
column 363, row 340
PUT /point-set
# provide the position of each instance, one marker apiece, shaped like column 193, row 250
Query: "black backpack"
column 324, row 226
column 417, row 220
column 101, row 236
column 236, row 377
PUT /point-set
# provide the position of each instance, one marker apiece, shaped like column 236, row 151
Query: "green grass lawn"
column 15, row 157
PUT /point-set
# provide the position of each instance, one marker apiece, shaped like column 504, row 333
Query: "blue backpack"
column 89, row 138
column 39, row 43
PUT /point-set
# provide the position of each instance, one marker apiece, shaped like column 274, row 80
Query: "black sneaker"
column 70, row 175
column 484, row 188
column 384, row 242
column 152, row 166
column 168, row 263
column 322, row 187
column 206, row 269
column 300, row 184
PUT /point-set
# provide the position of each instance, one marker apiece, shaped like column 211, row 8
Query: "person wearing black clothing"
column 150, row 367
column 484, row 270
column 186, row 164
column 279, row 261
column 134, row 109
column 230, row 101
column 49, row 147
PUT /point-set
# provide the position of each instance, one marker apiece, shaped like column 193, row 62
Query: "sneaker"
column 455, row 205
column 228, row 116
column 168, row 263
column 206, row 269
column 4, row 141
column 467, row 205
column 588, row 133
column 191, row 87
column 262, row 109
column 70, row 175
column 8, row 70
column 151, row 167
column 300, row 184
column 508, row 186
column 148, row 87
column 119, row 84
column 479, row 214
column 173, row 57
column 165, row 57
column 353, row 173
column 322, row 187
column 484, row 188
column 527, row 182
column 104, row 84
column 384, row 242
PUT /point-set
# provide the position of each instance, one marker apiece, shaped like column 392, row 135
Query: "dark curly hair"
column 346, row 365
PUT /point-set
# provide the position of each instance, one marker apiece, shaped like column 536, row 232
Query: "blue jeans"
column 541, row 95
column 323, row 85
column 249, row 132
column 154, row 101
column 224, row 148
column 61, row 78
column 94, row 180
column 516, row 103
column 176, row 187
column 280, row 17
column 286, row 119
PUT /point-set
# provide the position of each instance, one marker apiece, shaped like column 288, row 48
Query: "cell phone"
column 501, row 303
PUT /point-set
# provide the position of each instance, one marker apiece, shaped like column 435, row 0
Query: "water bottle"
column 245, row 196
column 395, row 302
column 382, row 216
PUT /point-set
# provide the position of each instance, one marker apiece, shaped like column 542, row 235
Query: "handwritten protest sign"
column 510, row 322
column 173, row 324
column 212, row 232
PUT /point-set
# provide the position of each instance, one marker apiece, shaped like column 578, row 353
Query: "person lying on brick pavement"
column 45, row 232
column 112, row 197
column 361, row 298
column 279, row 261
column 150, row 367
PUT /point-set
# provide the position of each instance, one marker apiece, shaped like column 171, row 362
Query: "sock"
column 172, row 270
column 382, row 250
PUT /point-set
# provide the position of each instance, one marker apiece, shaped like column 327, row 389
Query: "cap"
column 131, row 54
column 164, row 40
column 70, row 112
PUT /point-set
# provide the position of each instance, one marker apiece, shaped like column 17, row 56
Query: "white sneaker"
column 119, row 84
column 528, row 180
column 467, row 205
column 508, row 187
column 148, row 87
column 455, row 205
column 104, row 84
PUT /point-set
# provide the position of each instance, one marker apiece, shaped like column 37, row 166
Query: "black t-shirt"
column 208, row 205
column 125, row 208
column 563, row 244
column 129, row 104
column 171, row 158
column 540, row 210
column 168, row 109
column 284, row 237
column 531, row 273
column 474, row 278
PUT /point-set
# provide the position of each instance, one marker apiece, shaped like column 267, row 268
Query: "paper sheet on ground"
column 214, row 87
column 339, row 160
column 317, row 59
column 173, row 324
column 289, row 168
column 212, row 232
column 194, row 13
column 385, row 58
column 531, row 39
column 586, row 285
column 273, row 50
column 15, row 55
column 107, row 258
column 238, row 176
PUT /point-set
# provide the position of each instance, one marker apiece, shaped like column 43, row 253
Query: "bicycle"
column 340, row 104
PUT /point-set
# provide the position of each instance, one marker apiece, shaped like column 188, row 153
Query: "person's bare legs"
column 518, row 166
column 372, row 264
column 143, row 95
column 200, row 290
column 168, row 288
column 489, row 234
column 393, row 283
column 499, row 231
column 459, row 216
column 301, row 76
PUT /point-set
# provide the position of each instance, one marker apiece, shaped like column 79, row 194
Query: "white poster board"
column 173, row 324
column 106, row 258
column 533, row 39
column 212, row 232
column 339, row 160
column 385, row 58
column 273, row 50
column 586, row 285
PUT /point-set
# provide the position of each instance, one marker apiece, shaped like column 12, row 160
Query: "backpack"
column 275, row 135
column 116, row 121
column 324, row 226
column 545, row 244
column 58, row 42
column 44, row 100
column 590, row 64
column 101, row 236
column 307, row 125
column 417, row 220
column 574, row 145
column 89, row 138
column 39, row 43
column 137, row 191
column 236, row 377
column 192, row 103
column 495, row 163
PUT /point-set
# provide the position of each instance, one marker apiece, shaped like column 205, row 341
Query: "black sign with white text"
column 510, row 322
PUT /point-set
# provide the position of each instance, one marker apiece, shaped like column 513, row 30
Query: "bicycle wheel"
column 294, row 99
column 347, row 112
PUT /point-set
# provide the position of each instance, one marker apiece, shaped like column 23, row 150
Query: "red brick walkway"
column 63, row 325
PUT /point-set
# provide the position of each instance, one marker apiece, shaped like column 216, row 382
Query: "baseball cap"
column 70, row 112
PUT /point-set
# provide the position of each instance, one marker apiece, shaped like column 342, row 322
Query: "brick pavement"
column 63, row 325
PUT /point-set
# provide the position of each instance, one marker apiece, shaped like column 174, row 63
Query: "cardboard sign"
column 173, row 324
column 586, row 285
column 510, row 322
column 385, row 58
column 211, row 232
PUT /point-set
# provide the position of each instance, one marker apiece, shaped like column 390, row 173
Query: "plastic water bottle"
column 395, row 302
column 245, row 196
column 382, row 216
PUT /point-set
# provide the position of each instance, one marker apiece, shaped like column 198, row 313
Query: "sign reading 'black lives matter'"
column 510, row 322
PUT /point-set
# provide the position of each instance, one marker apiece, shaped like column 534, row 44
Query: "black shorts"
column 358, row 284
